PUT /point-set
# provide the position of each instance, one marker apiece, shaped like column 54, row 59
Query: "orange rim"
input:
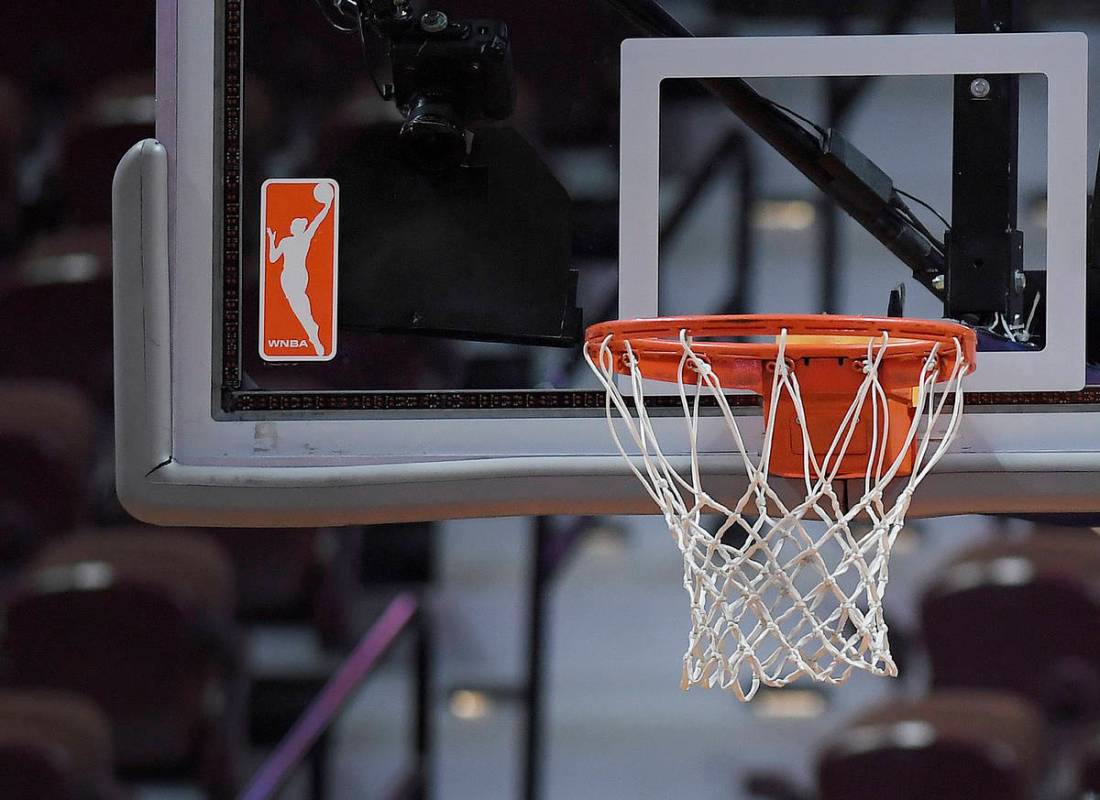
column 660, row 337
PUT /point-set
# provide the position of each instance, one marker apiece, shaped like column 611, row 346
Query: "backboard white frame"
column 1061, row 57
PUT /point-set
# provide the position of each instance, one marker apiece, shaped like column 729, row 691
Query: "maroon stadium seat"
column 55, row 312
column 47, row 439
column 274, row 569
column 952, row 745
column 34, row 771
column 140, row 620
column 63, row 47
column 1021, row 616
column 1088, row 772
column 295, row 574
column 13, row 132
column 54, row 746
column 115, row 116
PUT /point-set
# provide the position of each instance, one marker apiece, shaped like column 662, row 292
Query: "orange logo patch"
column 300, row 236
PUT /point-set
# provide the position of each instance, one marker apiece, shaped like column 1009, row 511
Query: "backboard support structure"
column 1062, row 58
column 328, row 458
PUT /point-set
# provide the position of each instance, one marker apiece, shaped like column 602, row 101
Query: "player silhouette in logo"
column 293, row 250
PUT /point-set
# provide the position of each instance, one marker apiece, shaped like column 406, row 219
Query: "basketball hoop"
column 844, row 398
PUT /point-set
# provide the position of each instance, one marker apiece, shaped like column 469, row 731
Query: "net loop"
column 782, row 589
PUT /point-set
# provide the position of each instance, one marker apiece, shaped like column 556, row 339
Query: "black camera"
column 447, row 75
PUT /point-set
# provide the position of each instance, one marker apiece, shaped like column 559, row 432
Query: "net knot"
column 702, row 368
column 905, row 498
column 932, row 362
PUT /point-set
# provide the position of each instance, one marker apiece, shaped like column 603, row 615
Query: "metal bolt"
column 980, row 88
column 1019, row 280
column 938, row 283
column 433, row 22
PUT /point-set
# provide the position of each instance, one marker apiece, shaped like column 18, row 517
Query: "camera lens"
column 432, row 135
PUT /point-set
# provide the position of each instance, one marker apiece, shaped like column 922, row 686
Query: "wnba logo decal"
column 300, row 234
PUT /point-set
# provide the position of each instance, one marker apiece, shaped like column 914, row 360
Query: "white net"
column 783, row 591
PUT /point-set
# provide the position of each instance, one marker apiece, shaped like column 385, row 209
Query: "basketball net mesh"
column 778, row 592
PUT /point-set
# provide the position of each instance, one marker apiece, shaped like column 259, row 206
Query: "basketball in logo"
column 300, row 236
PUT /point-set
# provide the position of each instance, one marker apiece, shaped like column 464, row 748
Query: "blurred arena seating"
column 951, row 745
column 1047, row 586
column 13, row 133
column 118, row 113
column 62, row 48
column 151, row 616
column 55, row 312
column 1088, row 768
column 304, row 574
column 55, row 746
column 47, row 440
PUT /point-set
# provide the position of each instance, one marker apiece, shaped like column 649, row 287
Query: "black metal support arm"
column 859, row 187
column 985, row 274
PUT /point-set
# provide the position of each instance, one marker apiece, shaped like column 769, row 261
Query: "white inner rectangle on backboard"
column 1061, row 57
